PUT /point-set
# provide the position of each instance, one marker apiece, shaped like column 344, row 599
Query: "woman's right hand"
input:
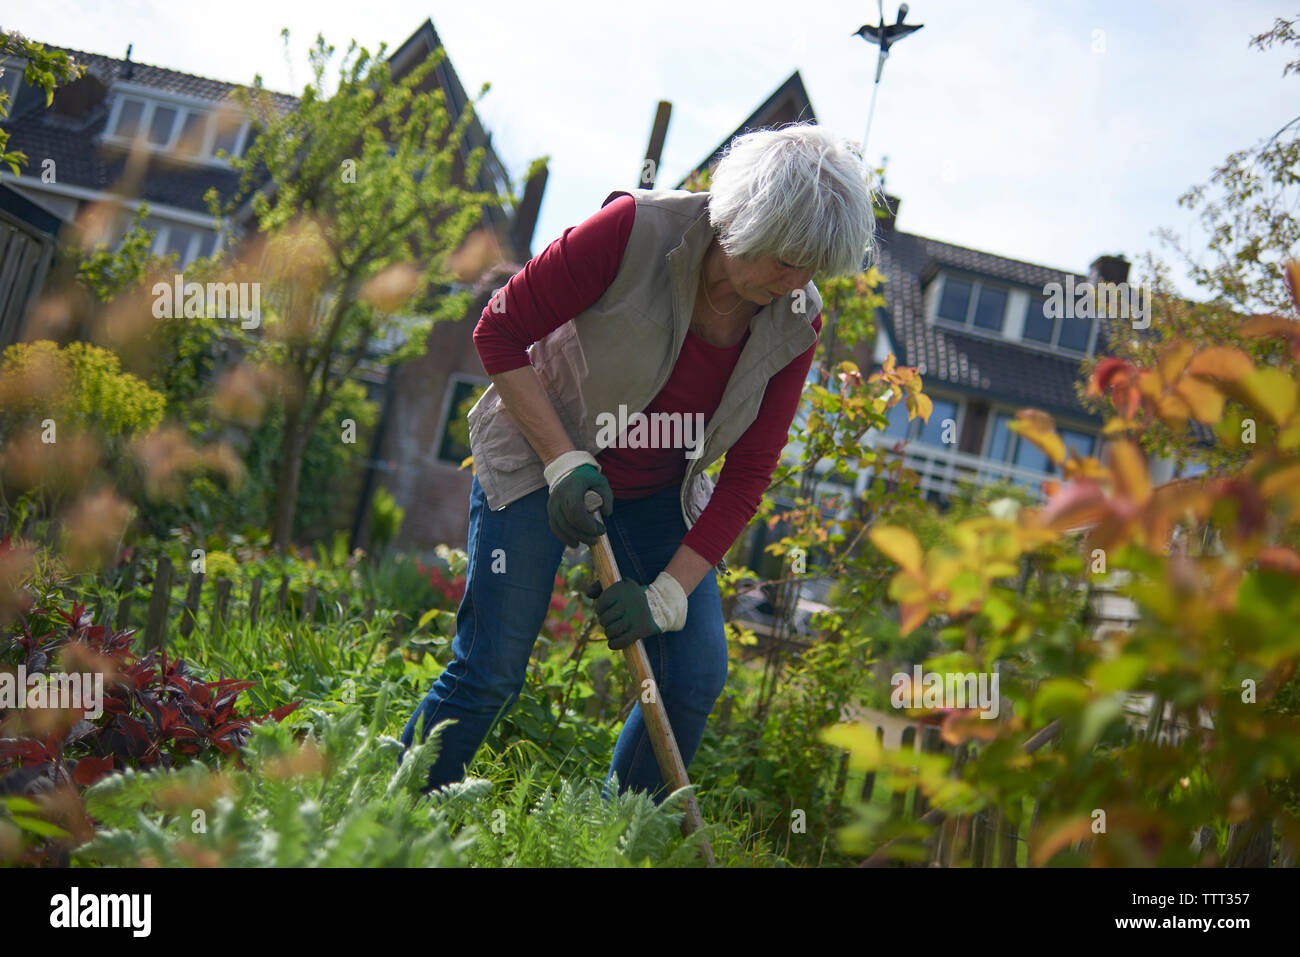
column 570, row 520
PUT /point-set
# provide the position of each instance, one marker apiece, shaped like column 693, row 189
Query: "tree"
column 361, row 199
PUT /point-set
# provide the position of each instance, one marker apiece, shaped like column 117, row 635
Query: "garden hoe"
column 653, row 713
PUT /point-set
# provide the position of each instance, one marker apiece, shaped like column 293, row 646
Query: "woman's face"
column 764, row 279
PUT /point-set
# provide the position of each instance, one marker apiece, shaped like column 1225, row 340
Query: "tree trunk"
column 292, row 447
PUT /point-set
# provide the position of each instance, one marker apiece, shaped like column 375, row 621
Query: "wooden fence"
column 161, row 616
column 993, row 838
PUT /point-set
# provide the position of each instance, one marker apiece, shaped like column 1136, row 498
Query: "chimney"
column 521, row 231
column 1108, row 269
column 885, row 223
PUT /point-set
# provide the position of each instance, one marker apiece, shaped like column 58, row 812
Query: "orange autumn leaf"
column 1279, row 559
column 1269, row 325
column 1221, row 362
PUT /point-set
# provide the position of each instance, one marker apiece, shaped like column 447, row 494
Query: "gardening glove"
column 570, row 477
column 630, row 611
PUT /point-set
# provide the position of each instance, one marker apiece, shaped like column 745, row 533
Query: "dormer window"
column 1067, row 332
column 195, row 132
column 973, row 303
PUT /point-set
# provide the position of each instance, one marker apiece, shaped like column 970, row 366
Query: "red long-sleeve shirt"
column 571, row 274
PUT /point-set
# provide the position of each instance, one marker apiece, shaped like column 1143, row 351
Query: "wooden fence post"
column 898, row 800
column 869, row 780
column 223, row 599
column 837, row 794
column 599, row 700
column 189, row 614
column 309, row 604
column 948, row 836
column 125, row 589
column 1009, row 838
column 254, row 599
column 1250, row 843
column 158, row 605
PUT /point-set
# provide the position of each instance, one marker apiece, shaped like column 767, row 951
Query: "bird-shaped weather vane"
column 884, row 37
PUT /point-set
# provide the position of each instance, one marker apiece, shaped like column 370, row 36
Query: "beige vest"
column 623, row 348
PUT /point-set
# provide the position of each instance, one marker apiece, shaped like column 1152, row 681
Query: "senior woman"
column 668, row 302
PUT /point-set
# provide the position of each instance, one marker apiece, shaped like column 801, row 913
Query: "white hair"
column 799, row 193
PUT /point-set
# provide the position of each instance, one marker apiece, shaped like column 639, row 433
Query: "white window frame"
column 968, row 327
column 183, row 106
column 162, row 236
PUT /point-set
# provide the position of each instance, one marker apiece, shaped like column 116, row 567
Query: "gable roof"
column 789, row 103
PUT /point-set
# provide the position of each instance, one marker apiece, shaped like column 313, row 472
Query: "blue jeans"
column 513, row 559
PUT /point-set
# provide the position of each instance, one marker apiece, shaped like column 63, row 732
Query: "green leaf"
column 37, row 826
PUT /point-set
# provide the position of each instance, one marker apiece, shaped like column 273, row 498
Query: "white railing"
column 940, row 468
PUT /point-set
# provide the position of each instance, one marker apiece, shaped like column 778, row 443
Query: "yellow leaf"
column 1284, row 480
column 1173, row 358
column 1204, row 400
column 923, row 407
column 859, row 740
column 898, row 544
column 1129, row 470
column 1271, row 391
column 1039, row 429
column 1289, row 438
column 907, row 587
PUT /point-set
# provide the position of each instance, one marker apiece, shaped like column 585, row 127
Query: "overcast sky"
column 1049, row 132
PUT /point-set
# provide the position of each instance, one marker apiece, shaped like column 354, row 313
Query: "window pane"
column 1001, row 437
column 191, row 138
column 898, row 421
column 1039, row 327
column 160, row 127
column 1075, row 334
column 178, row 241
column 227, row 134
column 990, row 309
column 1078, row 441
column 128, row 120
column 455, row 436
column 1029, row 456
column 956, row 296
column 932, row 431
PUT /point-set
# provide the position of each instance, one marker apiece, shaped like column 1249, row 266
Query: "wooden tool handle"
column 654, row 714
